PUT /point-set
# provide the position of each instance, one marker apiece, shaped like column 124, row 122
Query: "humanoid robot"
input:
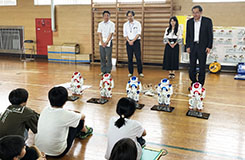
column 164, row 90
column 134, row 88
column 197, row 94
column 106, row 85
column 76, row 83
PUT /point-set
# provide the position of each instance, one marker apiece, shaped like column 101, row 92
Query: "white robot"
column 164, row 90
column 197, row 94
column 106, row 85
column 134, row 88
column 76, row 83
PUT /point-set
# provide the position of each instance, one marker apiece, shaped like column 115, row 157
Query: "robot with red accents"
column 133, row 88
column 197, row 94
column 106, row 85
column 164, row 90
column 76, row 83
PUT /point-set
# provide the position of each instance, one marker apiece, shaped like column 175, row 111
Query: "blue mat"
column 152, row 154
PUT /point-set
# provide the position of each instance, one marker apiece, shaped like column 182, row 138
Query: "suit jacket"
column 205, row 35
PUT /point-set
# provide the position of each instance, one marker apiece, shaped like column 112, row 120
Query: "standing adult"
column 106, row 29
column 199, row 42
column 132, row 32
column 172, row 39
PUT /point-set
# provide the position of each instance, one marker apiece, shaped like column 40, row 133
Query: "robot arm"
column 191, row 92
column 170, row 89
column 101, row 83
column 81, row 81
column 112, row 83
column 139, row 87
column 128, row 86
column 159, row 88
column 203, row 93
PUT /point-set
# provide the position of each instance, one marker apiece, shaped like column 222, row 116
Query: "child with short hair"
column 13, row 147
column 124, row 127
column 57, row 127
column 17, row 118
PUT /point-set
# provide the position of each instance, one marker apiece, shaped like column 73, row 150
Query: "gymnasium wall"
column 222, row 14
column 74, row 22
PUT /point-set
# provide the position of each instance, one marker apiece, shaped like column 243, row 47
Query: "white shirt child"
column 52, row 130
column 131, row 129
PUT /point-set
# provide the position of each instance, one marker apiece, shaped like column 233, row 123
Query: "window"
column 8, row 3
column 74, row 2
column 61, row 2
column 139, row 1
column 218, row 0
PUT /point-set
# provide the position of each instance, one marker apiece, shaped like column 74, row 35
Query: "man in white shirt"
column 106, row 29
column 199, row 42
column 132, row 32
column 57, row 127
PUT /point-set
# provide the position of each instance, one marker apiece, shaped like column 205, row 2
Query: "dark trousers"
column 201, row 56
column 136, row 49
column 71, row 136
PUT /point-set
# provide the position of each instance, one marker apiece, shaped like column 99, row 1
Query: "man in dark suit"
column 199, row 42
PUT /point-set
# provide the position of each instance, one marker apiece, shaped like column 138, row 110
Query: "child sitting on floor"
column 13, row 147
column 17, row 118
column 57, row 127
column 124, row 127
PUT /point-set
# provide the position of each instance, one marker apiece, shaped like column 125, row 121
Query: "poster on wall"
column 228, row 46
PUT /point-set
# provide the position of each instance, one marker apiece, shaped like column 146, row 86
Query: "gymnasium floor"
column 222, row 137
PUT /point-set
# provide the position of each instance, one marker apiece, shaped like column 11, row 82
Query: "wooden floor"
column 222, row 137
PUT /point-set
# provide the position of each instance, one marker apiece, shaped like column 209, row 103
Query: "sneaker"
column 141, row 141
column 83, row 135
column 130, row 75
column 141, row 75
column 171, row 76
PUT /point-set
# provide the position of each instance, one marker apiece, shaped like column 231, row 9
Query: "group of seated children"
column 56, row 128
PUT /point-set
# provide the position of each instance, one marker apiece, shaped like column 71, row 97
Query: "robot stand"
column 197, row 114
column 163, row 108
column 72, row 98
column 97, row 100
column 139, row 106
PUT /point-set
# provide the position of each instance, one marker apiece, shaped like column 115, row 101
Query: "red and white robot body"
column 106, row 85
column 76, row 83
column 197, row 94
column 164, row 90
column 134, row 88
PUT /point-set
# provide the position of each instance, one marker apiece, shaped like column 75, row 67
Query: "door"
column 44, row 35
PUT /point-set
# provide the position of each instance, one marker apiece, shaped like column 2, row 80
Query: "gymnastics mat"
column 152, row 154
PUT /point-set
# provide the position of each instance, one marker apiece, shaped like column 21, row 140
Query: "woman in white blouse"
column 172, row 39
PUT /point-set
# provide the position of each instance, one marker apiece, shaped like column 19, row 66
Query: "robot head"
column 197, row 85
column 76, row 75
column 134, row 79
column 165, row 81
column 107, row 76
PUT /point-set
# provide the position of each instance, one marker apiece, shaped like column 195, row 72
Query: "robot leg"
column 200, row 105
